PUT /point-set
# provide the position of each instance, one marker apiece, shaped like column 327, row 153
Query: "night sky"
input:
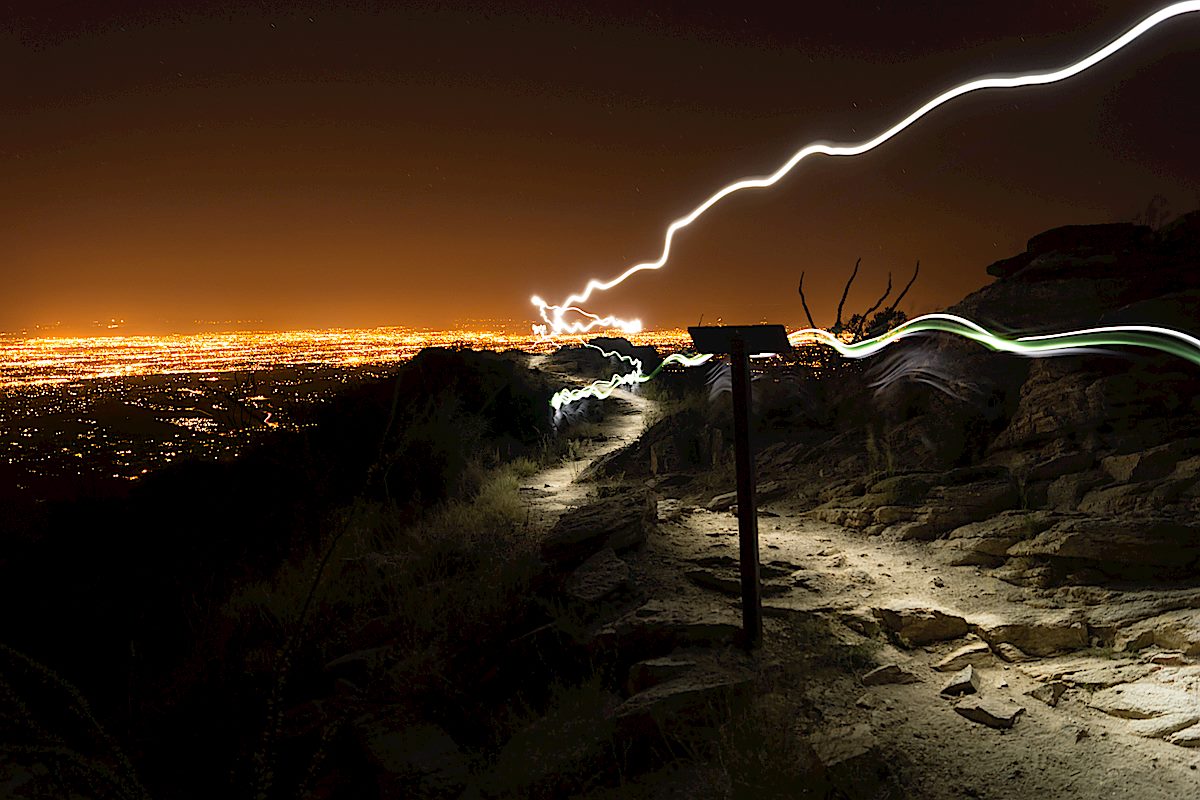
column 365, row 163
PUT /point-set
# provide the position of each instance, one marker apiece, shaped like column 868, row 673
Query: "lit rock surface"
column 973, row 654
column 965, row 681
column 916, row 624
column 1144, row 700
column 1176, row 630
column 1041, row 635
column 1165, row 725
column 888, row 673
column 989, row 712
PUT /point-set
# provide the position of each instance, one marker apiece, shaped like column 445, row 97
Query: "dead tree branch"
column 804, row 303
column 907, row 286
column 837, row 326
column 862, row 321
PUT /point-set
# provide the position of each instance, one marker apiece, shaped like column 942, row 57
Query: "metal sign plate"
column 716, row 339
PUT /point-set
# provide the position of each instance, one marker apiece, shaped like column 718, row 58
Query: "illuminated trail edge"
column 1164, row 340
column 553, row 315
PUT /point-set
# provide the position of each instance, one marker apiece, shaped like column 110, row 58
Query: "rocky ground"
column 933, row 678
column 981, row 572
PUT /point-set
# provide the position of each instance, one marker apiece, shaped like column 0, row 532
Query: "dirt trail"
column 1066, row 751
column 1070, row 750
column 552, row 491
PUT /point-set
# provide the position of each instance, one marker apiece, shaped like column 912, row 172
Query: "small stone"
column 1049, row 693
column 1081, row 734
column 718, row 582
column 965, row 681
column 888, row 673
column 990, row 713
column 969, row 654
column 1010, row 653
column 865, row 701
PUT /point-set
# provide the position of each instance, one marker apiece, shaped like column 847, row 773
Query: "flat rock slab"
column 888, row 673
column 653, row 671
column 973, row 654
column 763, row 491
column 1038, row 636
column 914, row 625
column 725, row 583
column 657, row 628
column 1161, row 727
column 965, row 681
column 1188, row 737
column 619, row 522
column 1176, row 630
column 1010, row 653
column 695, row 697
column 990, row 713
column 1116, row 541
column 1102, row 677
column 1144, row 700
column 601, row 575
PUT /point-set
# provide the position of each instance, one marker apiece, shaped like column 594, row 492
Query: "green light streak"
column 1152, row 337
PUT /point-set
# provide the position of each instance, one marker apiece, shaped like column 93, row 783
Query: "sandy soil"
column 1066, row 751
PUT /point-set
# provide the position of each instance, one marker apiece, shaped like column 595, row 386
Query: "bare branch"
column 837, row 326
column 862, row 322
column 804, row 303
column 907, row 286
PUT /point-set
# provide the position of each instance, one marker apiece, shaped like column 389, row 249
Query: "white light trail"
column 1165, row 340
column 553, row 315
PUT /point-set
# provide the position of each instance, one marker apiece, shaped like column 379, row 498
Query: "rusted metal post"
column 739, row 364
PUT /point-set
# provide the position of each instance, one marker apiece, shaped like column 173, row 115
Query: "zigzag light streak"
column 553, row 315
column 601, row 389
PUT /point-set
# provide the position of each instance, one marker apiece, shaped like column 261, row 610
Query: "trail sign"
column 739, row 342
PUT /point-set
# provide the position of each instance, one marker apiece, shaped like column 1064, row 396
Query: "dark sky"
column 368, row 163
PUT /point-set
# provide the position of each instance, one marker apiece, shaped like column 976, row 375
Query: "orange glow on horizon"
column 44, row 360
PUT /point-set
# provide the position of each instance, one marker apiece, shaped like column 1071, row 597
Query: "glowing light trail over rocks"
column 1149, row 336
column 554, row 315
column 1164, row 340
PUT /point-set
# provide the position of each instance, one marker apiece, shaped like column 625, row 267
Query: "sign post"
column 739, row 342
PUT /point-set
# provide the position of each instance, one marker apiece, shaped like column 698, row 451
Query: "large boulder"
column 987, row 542
column 1124, row 546
column 1175, row 630
column 601, row 576
column 1112, row 237
column 949, row 507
